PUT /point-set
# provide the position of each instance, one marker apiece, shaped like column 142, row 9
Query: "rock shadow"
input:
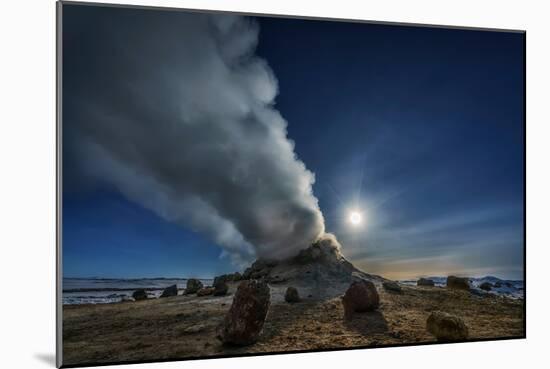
column 368, row 323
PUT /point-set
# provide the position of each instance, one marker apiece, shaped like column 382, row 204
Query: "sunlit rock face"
column 318, row 272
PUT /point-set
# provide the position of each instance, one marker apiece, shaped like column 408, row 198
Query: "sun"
column 355, row 218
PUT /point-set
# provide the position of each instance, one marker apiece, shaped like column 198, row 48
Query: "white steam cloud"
column 179, row 117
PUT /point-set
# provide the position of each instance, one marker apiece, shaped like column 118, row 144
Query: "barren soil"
column 185, row 326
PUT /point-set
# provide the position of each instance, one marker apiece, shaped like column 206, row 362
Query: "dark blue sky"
column 421, row 129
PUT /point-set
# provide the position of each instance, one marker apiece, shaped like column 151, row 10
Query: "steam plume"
column 179, row 117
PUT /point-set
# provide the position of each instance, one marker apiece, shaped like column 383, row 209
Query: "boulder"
column 361, row 296
column 193, row 285
column 291, row 295
column 425, row 282
column 220, row 288
column 245, row 319
column 446, row 327
column 391, row 286
column 205, row 291
column 486, row 286
column 458, row 283
column 170, row 291
column 139, row 295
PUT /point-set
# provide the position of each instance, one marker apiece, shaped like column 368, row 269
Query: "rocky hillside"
column 319, row 272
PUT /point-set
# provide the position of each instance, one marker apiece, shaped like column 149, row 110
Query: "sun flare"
column 355, row 218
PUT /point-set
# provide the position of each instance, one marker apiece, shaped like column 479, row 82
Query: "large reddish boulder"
column 446, row 327
column 245, row 319
column 361, row 296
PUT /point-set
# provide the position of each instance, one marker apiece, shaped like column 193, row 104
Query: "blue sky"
column 420, row 129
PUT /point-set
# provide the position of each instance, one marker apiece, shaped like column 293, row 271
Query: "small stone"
column 292, row 295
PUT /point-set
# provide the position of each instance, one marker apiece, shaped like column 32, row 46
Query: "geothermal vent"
column 319, row 272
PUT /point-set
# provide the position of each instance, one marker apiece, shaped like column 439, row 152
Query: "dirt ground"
column 185, row 326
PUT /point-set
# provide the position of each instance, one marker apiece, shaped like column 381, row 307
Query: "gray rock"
column 193, row 286
column 446, row 327
column 170, row 291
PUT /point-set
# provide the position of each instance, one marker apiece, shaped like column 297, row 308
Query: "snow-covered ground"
column 109, row 290
column 501, row 287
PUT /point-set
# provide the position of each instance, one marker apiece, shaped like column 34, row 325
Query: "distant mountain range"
column 502, row 287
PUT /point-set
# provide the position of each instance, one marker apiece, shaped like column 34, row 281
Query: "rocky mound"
column 318, row 272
